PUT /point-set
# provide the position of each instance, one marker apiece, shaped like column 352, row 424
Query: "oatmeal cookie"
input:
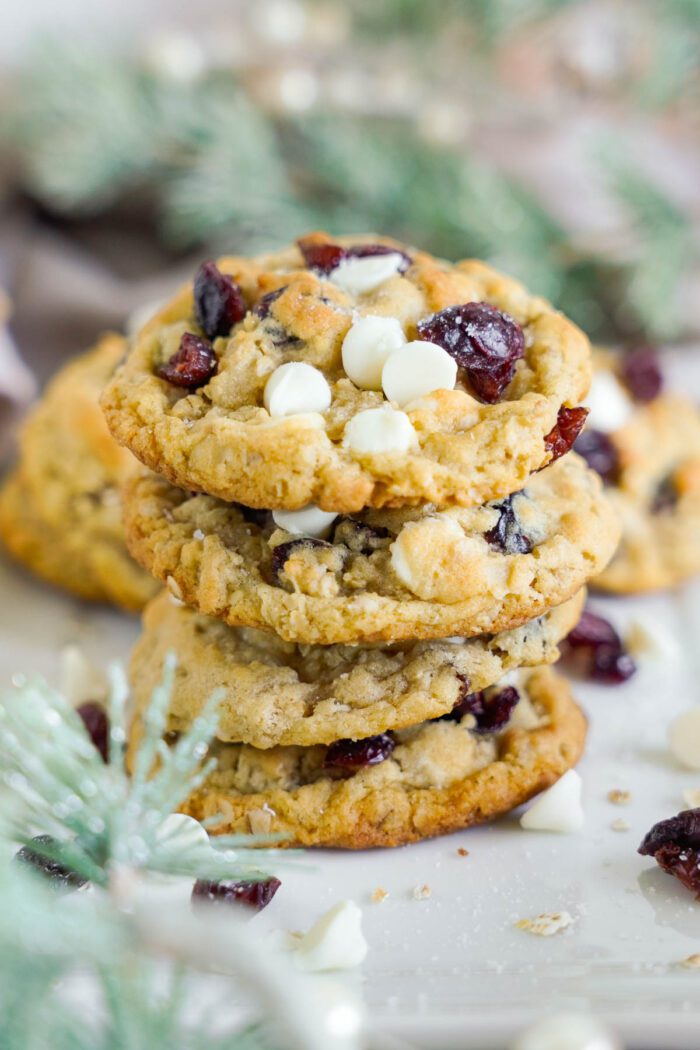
column 276, row 692
column 349, row 374
column 381, row 575
column 505, row 746
column 61, row 511
column 648, row 453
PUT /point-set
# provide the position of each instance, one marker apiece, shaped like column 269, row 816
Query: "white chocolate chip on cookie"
column 417, row 369
column 296, row 387
column 366, row 347
column 377, row 430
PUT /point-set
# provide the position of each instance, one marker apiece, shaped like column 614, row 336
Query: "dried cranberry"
column 492, row 713
column 192, row 365
column 326, row 257
column 282, row 552
column 218, row 301
column 567, row 428
column 261, row 518
column 600, row 454
column 675, row 845
column 483, row 341
column 96, row 722
column 256, row 895
column 597, row 651
column 507, row 535
column 43, row 859
column 359, row 537
column 354, row 754
column 641, row 374
column 262, row 307
column 666, row 496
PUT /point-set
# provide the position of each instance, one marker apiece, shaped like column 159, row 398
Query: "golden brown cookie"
column 648, row 455
column 61, row 511
column 435, row 778
column 276, row 692
column 381, row 575
column 242, row 390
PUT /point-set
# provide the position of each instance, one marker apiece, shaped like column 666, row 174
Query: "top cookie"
column 347, row 374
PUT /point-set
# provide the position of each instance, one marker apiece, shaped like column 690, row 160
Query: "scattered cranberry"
column 507, row 535
column 256, row 895
column 641, row 373
column 492, row 713
column 96, row 723
column 567, row 428
column 326, row 256
column 58, row 874
column 596, row 650
column 675, row 845
column 192, row 365
column 354, row 754
column 359, row 537
column 666, row 496
column 218, row 301
column 282, row 552
column 262, row 307
column 600, row 454
column 483, row 341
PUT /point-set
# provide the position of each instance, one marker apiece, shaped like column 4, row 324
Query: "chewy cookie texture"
column 361, row 500
column 347, row 374
column 61, row 510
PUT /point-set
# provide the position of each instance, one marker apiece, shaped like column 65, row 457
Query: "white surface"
column 451, row 971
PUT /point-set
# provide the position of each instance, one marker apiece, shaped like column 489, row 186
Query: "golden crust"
column 217, row 561
column 410, row 796
column 60, row 511
column 220, row 439
column 276, row 692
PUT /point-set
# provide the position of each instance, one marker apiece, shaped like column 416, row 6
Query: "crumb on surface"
column 421, row 893
column 462, row 852
column 379, row 895
column 619, row 797
column 620, row 825
column 691, row 963
column 546, row 924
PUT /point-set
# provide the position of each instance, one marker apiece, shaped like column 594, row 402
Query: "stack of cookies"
column 371, row 532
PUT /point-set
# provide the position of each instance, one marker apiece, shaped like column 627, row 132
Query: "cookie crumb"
column 421, row 893
column 174, row 588
column 620, row 825
column 379, row 895
column 462, row 852
column 691, row 797
column 260, row 820
column 691, row 963
column 619, row 797
column 546, row 924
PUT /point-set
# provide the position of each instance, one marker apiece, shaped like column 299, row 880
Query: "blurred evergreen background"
column 558, row 139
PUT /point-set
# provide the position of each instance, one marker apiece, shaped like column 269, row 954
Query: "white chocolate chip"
column 684, row 738
column 296, row 387
column 178, row 831
column 558, row 808
column 609, row 406
column 335, row 942
column 691, row 797
column 567, row 1032
column 436, row 561
column 366, row 347
column 358, row 275
column 417, row 369
column 309, row 521
column 376, row 430
column 81, row 680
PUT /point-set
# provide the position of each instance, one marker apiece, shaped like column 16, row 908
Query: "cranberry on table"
column 641, row 373
column 675, row 846
column 218, row 301
column 596, row 650
column 600, row 454
column 507, row 535
column 563, row 434
column 252, row 894
column 192, row 365
column 484, row 341
column 95, row 720
column 354, row 754
column 59, row 875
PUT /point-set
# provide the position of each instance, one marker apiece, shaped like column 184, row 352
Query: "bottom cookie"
column 512, row 741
